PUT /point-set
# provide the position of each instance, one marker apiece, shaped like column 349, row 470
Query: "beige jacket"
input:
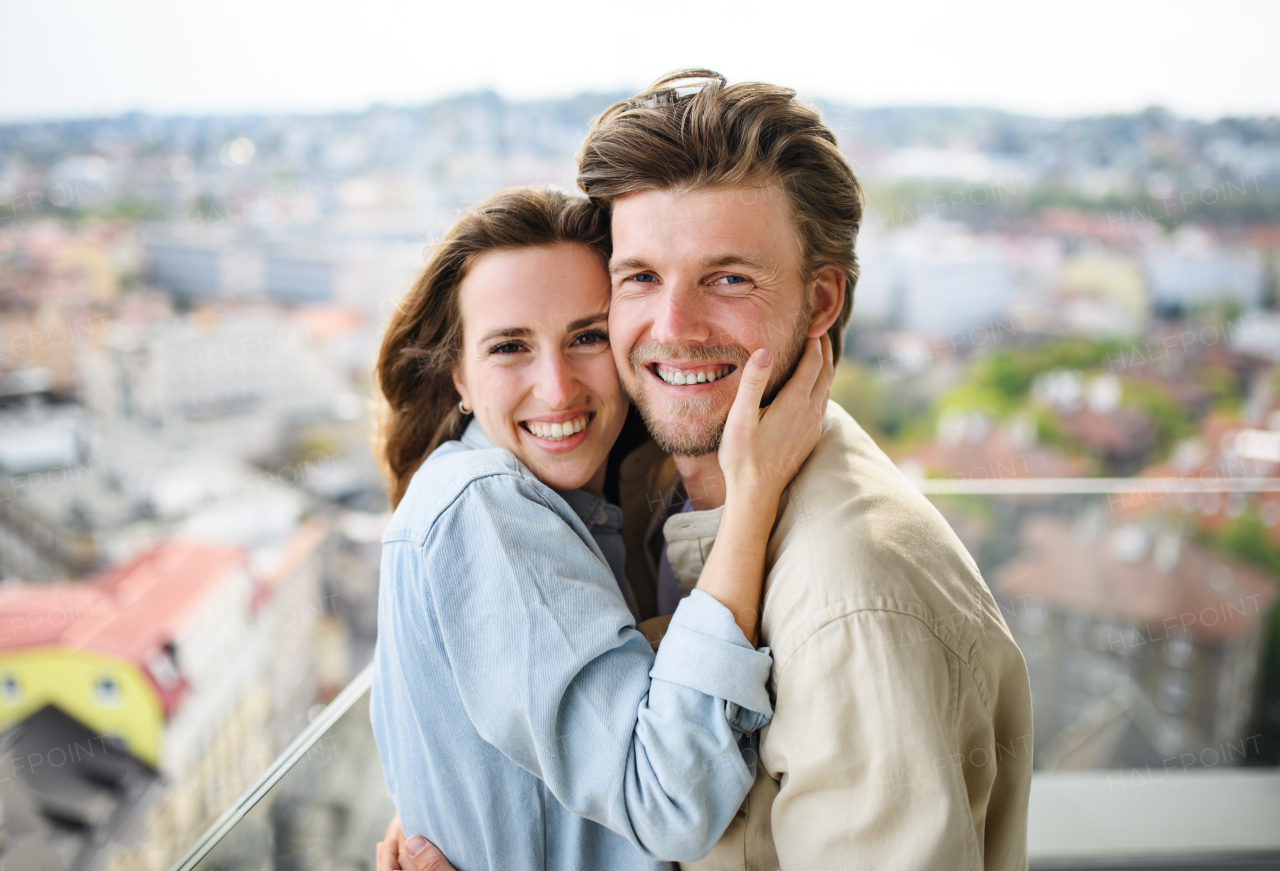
column 901, row 736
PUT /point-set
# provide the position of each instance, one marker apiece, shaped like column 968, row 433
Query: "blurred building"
column 352, row 567
column 1192, row 268
column 108, row 653
column 969, row 444
column 80, row 495
column 1101, row 292
column 1226, row 447
column 195, row 271
column 194, row 659
column 1090, row 412
column 213, row 363
column 72, row 794
column 1140, row 643
column 935, row 277
column 365, row 272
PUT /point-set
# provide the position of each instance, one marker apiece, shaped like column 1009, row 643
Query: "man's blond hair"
column 692, row 130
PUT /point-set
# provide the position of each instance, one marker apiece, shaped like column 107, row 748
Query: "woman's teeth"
column 555, row 432
column 699, row 376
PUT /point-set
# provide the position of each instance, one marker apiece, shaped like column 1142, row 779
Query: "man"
column 901, row 735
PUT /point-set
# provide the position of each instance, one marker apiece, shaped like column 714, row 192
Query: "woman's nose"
column 557, row 385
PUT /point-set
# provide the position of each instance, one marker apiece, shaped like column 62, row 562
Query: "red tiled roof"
column 131, row 612
column 155, row 594
column 995, row 456
column 36, row 614
column 1056, row 566
column 1122, row 431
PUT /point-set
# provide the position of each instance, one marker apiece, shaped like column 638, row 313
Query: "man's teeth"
column 700, row 376
column 557, row 431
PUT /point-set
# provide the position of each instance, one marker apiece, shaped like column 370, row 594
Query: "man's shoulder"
column 446, row 476
column 855, row 536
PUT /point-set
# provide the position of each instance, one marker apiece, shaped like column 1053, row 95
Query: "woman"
column 530, row 722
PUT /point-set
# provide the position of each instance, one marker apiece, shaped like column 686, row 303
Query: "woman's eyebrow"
column 507, row 333
column 587, row 321
column 525, row 332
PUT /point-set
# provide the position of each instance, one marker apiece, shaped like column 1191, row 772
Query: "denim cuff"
column 743, row 720
column 705, row 650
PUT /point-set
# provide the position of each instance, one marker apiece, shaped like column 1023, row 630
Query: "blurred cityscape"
column 190, row 514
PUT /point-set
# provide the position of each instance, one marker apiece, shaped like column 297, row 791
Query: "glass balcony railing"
column 322, row 804
column 1147, row 613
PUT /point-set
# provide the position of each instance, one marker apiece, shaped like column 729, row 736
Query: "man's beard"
column 698, row 426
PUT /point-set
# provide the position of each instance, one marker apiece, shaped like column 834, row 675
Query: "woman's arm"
column 760, row 452
column 506, row 614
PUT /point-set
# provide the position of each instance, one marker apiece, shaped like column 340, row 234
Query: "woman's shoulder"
column 456, row 472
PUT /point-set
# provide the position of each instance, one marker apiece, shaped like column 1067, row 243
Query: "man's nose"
column 557, row 384
column 679, row 318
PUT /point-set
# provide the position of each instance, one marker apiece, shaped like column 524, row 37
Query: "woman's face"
column 535, row 366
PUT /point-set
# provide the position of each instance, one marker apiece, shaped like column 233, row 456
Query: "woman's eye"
column 591, row 337
column 507, row 348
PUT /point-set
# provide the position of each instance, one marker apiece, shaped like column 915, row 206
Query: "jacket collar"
column 595, row 512
column 474, row 438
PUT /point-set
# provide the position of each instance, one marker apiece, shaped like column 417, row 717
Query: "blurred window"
column 106, row 689
column 1180, row 651
column 11, row 690
column 1175, row 692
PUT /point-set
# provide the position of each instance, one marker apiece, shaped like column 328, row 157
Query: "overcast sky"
column 68, row 58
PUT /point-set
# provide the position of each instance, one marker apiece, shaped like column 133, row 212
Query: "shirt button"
column 601, row 517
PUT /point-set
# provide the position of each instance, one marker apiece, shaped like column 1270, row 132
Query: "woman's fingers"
column 821, row 391
column 755, row 378
column 394, row 832
column 387, row 853
column 801, row 383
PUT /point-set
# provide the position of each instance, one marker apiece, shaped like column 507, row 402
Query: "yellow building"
column 119, row 654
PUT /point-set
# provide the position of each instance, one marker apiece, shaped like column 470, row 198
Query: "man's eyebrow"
column 720, row 262
column 507, row 333
column 627, row 263
column 735, row 260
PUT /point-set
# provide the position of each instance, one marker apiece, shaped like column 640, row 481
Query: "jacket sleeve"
column 863, row 742
column 552, row 672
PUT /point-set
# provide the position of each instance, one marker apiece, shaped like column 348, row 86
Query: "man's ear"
column 828, row 288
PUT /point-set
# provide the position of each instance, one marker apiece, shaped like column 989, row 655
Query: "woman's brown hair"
column 419, row 404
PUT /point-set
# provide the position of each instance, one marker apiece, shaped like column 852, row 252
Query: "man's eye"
column 591, row 337
column 507, row 348
column 647, row 277
column 729, row 279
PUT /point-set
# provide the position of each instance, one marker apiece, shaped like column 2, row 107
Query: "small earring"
column 463, row 408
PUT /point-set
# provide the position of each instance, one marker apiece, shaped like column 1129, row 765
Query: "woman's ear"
column 460, row 387
column 828, row 299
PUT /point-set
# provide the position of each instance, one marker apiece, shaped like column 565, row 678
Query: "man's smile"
column 684, row 375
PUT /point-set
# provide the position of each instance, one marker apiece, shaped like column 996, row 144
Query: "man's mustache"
column 657, row 352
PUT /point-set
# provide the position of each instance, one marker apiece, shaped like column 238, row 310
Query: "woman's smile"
column 559, row 433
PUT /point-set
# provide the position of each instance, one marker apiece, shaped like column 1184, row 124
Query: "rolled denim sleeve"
column 551, row 671
column 705, row 650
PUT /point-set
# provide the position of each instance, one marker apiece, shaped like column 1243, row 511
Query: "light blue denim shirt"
column 523, row 722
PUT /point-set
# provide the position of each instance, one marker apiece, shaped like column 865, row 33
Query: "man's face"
column 701, row 279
